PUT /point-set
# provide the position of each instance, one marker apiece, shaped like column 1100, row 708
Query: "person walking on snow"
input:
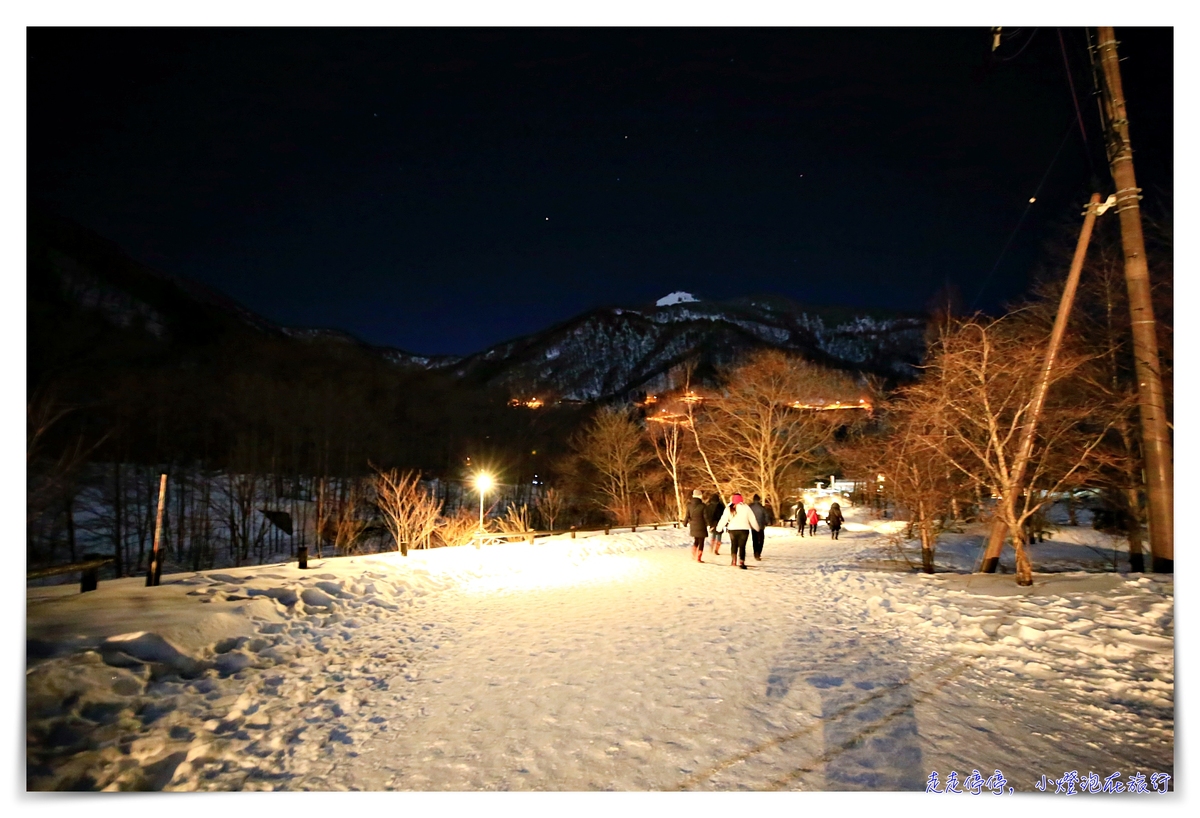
column 800, row 516
column 712, row 513
column 834, row 518
column 693, row 518
column 739, row 521
column 813, row 519
column 763, row 517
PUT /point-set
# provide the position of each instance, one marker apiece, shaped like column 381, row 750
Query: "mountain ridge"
column 603, row 354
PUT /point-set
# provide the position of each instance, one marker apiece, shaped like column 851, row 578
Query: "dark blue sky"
column 441, row 190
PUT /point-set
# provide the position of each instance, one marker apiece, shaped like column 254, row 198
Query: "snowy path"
column 607, row 663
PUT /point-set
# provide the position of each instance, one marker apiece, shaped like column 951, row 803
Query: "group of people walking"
column 811, row 518
column 744, row 521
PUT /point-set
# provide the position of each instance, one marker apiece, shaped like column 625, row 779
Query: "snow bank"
column 603, row 662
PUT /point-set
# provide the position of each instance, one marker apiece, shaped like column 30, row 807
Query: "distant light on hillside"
column 679, row 297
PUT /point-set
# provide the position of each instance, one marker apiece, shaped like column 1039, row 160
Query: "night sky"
column 441, row 190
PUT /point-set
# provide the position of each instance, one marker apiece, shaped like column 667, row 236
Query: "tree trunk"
column 926, row 540
column 70, row 511
column 1133, row 526
column 1024, row 567
column 117, row 533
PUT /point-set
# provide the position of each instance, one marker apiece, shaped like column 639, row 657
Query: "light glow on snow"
column 608, row 662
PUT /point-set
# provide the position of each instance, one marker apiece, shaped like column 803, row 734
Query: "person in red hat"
column 739, row 521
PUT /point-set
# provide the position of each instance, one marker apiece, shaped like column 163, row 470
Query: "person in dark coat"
column 762, row 516
column 801, row 516
column 693, row 518
column 712, row 513
column 834, row 518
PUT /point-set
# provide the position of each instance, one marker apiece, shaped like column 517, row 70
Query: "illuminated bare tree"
column 973, row 403
column 666, row 429
column 916, row 476
column 516, row 520
column 550, row 505
column 409, row 512
column 613, row 446
column 769, row 420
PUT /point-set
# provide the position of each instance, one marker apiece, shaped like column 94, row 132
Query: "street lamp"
column 483, row 482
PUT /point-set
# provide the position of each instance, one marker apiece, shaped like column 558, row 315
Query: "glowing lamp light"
column 483, row 482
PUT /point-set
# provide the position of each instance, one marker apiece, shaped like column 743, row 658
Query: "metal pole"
column 1025, row 447
column 1156, row 439
column 153, row 570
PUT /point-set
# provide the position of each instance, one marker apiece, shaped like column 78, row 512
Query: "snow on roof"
column 679, row 297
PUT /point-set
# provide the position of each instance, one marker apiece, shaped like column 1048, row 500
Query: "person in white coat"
column 739, row 521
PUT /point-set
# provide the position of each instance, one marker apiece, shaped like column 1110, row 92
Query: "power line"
column 1024, row 213
column 1021, row 50
column 1087, row 149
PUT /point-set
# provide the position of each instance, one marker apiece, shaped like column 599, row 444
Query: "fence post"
column 572, row 532
column 531, row 538
column 154, row 569
column 633, row 529
column 606, row 529
column 90, row 579
column 302, row 556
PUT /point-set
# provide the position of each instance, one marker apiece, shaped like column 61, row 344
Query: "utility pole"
column 1152, row 406
column 991, row 557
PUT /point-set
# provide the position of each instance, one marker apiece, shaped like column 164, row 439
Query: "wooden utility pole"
column 1156, row 440
column 154, row 569
column 991, row 557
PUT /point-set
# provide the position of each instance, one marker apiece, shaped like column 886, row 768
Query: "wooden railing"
column 88, row 569
column 529, row 536
column 499, row 537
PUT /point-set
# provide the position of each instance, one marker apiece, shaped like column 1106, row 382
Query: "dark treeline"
column 131, row 368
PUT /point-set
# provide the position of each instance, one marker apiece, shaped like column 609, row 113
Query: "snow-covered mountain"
column 611, row 352
column 605, row 354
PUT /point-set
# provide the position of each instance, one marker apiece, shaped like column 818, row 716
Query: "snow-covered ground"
column 607, row 663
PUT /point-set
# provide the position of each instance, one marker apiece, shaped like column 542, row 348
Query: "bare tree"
column 352, row 514
column 516, row 520
column 613, row 446
column 916, row 478
column 52, row 468
column 550, row 505
column 459, row 529
column 973, row 404
column 241, row 502
column 1099, row 322
column 409, row 512
column 769, row 420
column 665, row 429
